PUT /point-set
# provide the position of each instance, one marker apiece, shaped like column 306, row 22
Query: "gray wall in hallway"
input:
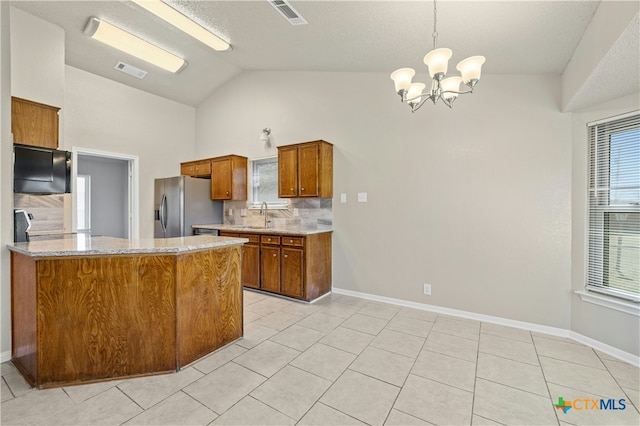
column 109, row 194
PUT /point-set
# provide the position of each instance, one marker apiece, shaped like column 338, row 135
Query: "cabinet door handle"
column 291, row 189
column 302, row 189
column 274, row 255
column 227, row 192
column 286, row 255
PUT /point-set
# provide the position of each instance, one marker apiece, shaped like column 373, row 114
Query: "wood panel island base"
column 87, row 309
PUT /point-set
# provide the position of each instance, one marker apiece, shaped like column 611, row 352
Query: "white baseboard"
column 538, row 328
column 5, row 356
column 607, row 349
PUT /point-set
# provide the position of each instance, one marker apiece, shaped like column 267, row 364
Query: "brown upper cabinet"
column 33, row 123
column 305, row 170
column 199, row 169
column 229, row 178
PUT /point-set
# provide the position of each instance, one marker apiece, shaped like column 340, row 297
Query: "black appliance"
column 21, row 225
column 41, row 170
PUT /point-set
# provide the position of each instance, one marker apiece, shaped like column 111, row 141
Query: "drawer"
column 203, row 168
column 227, row 234
column 292, row 241
column 188, row 169
column 253, row 239
column 270, row 239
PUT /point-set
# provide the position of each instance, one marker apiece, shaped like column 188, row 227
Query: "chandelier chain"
column 435, row 22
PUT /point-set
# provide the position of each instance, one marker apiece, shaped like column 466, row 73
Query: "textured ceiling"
column 516, row 37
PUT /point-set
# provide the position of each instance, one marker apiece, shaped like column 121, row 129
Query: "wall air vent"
column 290, row 14
column 131, row 70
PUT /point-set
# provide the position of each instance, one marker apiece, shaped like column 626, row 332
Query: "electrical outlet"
column 296, row 212
column 427, row 289
column 230, row 212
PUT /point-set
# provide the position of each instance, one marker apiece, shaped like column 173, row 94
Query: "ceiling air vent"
column 131, row 70
column 285, row 9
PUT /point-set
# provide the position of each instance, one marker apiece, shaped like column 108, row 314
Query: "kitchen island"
column 87, row 309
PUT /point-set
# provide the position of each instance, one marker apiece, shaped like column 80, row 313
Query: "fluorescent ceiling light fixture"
column 178, row 20
column 135, row 46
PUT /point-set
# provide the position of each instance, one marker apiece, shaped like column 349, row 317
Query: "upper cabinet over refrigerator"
column 181, row 202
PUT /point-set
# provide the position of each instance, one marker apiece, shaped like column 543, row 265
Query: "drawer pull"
column 291, row 241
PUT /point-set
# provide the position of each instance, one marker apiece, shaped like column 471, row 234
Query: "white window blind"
column 613, row 264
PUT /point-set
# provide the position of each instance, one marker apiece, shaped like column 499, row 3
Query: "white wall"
column 103, row 115
column 37, row 59
column 6, row 179
column 614, row 328
column 474, row 200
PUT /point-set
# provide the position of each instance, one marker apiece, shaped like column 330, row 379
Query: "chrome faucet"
column 264, row 210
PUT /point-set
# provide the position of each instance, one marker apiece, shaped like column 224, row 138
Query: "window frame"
column 280, row 204
column 87, row 203
column 597, row 236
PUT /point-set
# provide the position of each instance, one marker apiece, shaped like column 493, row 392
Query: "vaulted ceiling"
column 516, row 37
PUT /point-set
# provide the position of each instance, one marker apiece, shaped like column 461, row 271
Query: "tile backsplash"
column 48, row 212
column 311, row 213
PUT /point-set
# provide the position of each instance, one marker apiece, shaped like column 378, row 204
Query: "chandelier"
column 443, row 88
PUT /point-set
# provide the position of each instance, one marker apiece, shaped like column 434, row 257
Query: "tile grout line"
column 407, row 378
column 333, row 382
column 546, row 382
column 293, row 366
column 475, row 375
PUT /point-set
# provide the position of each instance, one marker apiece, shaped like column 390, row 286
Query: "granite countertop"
column 288, row 230
column 85, row 245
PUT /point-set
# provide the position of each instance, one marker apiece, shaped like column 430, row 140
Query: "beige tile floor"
column 348, row 361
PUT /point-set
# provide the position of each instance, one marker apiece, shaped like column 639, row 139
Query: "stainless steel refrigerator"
column 181, row 202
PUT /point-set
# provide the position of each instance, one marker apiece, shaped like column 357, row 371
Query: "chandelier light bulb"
column 471, row 68
column 451, row 87
column 415, row 91
column 402, row 78
column 438, row 61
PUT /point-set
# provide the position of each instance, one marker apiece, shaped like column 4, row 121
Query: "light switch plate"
column 243, row 212
column 362, row 197
column 343, row 197
column 296, row 212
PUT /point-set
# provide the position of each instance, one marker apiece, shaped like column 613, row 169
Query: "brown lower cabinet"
column 290, row 265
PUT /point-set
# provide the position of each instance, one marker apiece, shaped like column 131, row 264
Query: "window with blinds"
column 613, row 264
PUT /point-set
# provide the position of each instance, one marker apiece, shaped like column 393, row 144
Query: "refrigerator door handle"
column 163, row 212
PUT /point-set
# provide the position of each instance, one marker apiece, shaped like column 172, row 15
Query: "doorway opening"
column 105, row 193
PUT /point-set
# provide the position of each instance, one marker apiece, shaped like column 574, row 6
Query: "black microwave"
column 41, row 170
